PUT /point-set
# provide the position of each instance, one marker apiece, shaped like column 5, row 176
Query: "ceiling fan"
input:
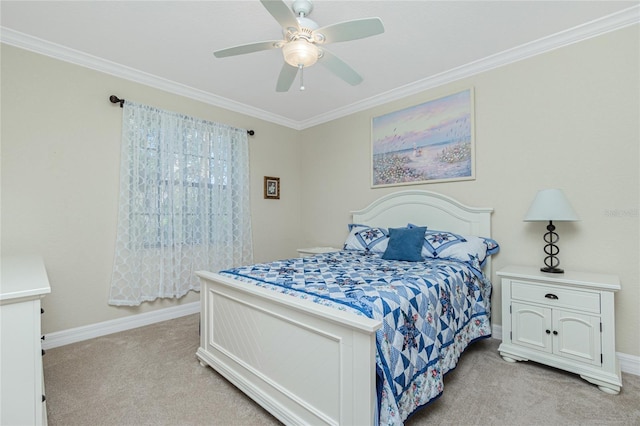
column 304, row 40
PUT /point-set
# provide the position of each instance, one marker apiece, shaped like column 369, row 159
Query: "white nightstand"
column 565, row 320
column 312, row 251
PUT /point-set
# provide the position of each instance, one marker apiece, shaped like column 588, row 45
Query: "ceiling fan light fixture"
column 300, row 52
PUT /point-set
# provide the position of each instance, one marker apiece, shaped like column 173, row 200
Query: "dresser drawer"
column 581, row 300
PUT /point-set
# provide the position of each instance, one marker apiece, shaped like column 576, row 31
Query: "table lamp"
column 551, row 205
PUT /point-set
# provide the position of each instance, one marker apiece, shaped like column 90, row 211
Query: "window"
column 184, row 203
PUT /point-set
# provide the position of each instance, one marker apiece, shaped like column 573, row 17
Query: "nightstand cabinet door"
column 577, row 336
column 531, row 326
column 563, row 333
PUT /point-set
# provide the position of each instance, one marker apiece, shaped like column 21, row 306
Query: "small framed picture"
column 271, row 187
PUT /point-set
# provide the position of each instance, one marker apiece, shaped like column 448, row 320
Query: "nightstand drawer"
column 556, row 297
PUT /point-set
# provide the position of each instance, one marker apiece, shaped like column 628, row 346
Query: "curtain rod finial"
column 115, row 100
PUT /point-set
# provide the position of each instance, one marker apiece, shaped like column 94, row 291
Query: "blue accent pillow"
column 405, row 244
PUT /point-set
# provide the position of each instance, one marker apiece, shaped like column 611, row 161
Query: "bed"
column 310, row 359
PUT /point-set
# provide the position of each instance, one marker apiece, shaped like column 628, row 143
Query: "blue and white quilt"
column 430, row 311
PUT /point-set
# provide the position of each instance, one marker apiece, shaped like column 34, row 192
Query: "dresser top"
column 22, row 277
column 603, row 281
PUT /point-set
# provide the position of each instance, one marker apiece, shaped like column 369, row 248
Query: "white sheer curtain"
column 184, row 204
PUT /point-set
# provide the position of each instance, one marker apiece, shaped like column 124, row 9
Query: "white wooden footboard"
column 303, row 362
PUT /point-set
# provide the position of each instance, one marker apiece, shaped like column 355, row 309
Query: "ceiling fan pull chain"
column 301, row 67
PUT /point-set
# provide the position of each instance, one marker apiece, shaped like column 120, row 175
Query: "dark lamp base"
column 551, row 250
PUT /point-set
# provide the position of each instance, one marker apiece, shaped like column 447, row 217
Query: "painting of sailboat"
column 426, row 143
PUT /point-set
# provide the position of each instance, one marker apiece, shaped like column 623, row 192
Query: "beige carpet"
column 150, row 376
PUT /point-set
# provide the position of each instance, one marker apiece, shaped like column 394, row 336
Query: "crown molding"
column 57, row 51
column 613, row 22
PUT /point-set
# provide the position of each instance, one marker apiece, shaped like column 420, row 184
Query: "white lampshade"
column 550, row 205
column 300, row 52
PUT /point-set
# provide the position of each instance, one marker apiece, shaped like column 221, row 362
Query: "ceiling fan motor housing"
column 299, row 49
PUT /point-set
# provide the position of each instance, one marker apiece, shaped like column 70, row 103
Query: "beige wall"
column 567, row 119
column 60, row 166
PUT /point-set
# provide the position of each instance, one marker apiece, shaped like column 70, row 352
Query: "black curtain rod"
column 116, row 100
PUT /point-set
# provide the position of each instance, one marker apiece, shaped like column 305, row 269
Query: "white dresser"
column 565, row 320
column 23, row 282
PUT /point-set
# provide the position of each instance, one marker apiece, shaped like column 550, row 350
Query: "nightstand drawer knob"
column 551, row 296
column 548, row 331
column 555, row 333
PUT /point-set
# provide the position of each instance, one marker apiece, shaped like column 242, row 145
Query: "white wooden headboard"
column 425, row 208
column 430, row 209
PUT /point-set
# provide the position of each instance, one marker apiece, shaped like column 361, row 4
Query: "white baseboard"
column 78, row 334
column 628, row 363
column 496, row 331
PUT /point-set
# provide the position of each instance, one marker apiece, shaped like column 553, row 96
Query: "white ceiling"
column 169, row 44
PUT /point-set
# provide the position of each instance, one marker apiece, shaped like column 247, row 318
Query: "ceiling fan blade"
column 350, row 30
column 247, row 48
column 287, row 75
column 340, row 68
column 281, row 12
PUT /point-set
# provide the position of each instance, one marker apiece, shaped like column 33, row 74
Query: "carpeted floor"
column 150, row 376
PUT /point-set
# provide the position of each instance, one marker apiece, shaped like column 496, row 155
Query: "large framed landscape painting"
column 426, row 143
